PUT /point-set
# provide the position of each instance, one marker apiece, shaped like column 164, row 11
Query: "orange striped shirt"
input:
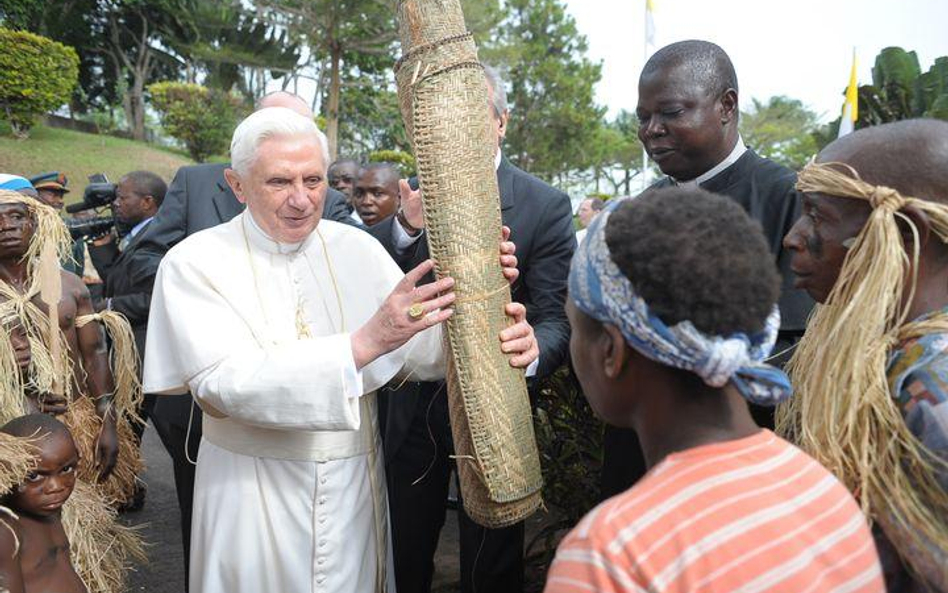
column 744, row 516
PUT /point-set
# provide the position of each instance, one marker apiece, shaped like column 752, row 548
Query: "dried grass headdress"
column 843, row 413
column 50, row 238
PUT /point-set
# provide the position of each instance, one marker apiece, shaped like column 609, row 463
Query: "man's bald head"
column 706, row 64
column 910, row 156
column 285, row 99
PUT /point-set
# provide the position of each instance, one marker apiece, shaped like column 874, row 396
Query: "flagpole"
column 644, row 174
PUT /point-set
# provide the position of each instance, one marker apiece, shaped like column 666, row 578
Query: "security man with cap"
column 50, row 189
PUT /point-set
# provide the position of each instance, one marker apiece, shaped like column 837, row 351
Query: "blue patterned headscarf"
column 599, row 288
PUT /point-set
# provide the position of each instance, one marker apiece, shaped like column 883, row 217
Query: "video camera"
column 89, row 227
column 100, row 193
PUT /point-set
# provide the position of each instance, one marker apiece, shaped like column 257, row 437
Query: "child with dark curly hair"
column 34, row 550
column 672, row 307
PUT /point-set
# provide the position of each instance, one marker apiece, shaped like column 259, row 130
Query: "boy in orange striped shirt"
column 672, row 305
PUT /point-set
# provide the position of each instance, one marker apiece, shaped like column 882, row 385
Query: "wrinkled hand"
column 518, row 340
column 391, row 326
column 106, row 448
column 508, row 261
column 411, row 204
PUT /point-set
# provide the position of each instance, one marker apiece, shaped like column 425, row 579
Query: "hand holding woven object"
column 443, row 96
column 392, row 326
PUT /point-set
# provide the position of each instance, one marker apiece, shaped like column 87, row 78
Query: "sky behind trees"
column 799, row 48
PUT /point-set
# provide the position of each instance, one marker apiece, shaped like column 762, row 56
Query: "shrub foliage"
column 405, row 161
column 202, row 119
column 36, row 75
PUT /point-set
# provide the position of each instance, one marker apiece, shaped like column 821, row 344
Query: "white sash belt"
column 295, row 445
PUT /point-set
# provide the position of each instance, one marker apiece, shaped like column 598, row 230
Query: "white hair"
column 265, row 124
column 498, row 99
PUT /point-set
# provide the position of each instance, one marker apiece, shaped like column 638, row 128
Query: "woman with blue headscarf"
column 672, row 308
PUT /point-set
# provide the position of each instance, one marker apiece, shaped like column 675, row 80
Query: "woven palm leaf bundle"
column 444, row 102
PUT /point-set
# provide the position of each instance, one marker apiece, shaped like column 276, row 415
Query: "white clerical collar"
column 261, row 240
column 737, row 153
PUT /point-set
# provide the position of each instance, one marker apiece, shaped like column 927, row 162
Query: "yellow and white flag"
column 649, row 23
column 851, row 107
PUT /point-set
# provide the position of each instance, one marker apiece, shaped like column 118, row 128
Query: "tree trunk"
column 332, row 111
column 134, row 100
column 135, row 106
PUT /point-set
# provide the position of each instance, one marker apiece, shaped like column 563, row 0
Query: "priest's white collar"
column 736, row 153
column 261, row 240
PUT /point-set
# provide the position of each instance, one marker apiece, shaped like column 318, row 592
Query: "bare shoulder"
column 73, row 284
column 9, row 537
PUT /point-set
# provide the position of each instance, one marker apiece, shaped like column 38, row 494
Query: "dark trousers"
column 170, row 417
column 418, row 477
column 146, row 411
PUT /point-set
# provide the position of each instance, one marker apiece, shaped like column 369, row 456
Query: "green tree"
column 782, row 129
column 404, row 160
column 616, row 154
column 36, row 75
column 202, row 119
column 21, row 14
column 553, row 113
column 226, row 41
column 899, row 90
column 353, row 44
column 337, row 32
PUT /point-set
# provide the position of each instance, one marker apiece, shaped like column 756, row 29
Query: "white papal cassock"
column 290, row 492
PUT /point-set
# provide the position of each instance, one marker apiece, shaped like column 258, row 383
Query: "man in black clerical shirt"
column 688, row 114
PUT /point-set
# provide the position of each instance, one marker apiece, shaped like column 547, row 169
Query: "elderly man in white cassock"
column 282, row 326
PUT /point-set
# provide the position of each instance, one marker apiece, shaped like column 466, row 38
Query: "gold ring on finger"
column 416, row 311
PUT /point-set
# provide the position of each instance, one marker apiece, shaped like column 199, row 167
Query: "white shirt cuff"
column 532, row 368
column 402, row 239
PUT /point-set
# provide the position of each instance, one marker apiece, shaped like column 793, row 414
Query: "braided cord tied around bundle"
column 843, row 413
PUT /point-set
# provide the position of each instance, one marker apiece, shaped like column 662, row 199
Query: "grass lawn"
column 79, row 155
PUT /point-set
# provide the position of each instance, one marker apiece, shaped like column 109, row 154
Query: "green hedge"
column 37, row 75
column 404, row 160
column 202, row 119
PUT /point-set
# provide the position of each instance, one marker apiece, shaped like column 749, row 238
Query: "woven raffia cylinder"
column 444, row 102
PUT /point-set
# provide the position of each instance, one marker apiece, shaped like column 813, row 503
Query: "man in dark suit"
column 415, row 424
column 126, row 283
column 688, row 116
column 199, row 198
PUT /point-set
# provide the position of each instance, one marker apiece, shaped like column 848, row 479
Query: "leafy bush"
column 202, row 119
column 404, row 160
column 36, row 75
column 569, row 437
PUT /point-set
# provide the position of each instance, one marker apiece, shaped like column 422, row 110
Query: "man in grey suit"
column 197, row 199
